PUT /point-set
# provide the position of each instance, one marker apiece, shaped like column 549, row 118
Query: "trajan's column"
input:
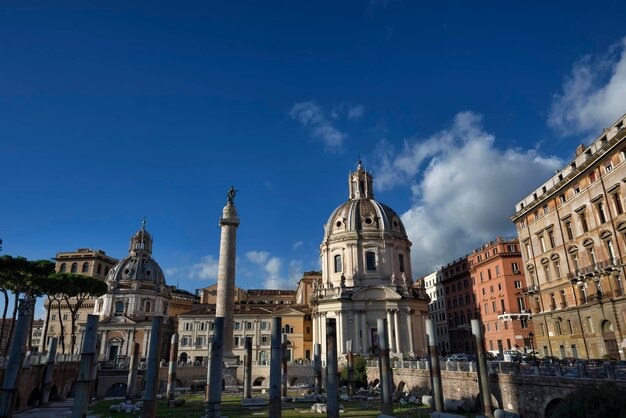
column 226, row 273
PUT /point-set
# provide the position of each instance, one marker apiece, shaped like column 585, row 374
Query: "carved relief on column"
column 409, row 323
column 396, row 330
column 390, row 339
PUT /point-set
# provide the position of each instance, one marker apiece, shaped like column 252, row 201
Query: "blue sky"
column 112, row 111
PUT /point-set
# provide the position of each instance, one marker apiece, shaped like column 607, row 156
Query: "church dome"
column 139, row 267
column 362, row 213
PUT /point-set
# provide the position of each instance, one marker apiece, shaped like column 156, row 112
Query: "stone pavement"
column 58, row 409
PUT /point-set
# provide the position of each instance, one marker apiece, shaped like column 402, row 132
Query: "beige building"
column 251, row 319
column 93, row 263
column 572, row 231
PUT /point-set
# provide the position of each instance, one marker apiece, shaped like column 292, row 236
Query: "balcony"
column 531, row 290
column 512, row 316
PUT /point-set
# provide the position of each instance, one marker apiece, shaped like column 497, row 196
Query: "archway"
column 263, row 358
column 293, row 381
column 183, row 357
column 551, row 407
column 402, row 387
column 116, row 390
column 610, row 343
column 258, row 381
column 54, row 393
column 33, row 398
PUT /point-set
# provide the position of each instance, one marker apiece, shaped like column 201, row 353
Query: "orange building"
column 498, row 285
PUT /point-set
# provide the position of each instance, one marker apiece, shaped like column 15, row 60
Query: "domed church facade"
column 366, row 275
column 137, row 292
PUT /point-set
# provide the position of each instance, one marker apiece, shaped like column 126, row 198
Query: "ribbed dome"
column 136, row 268
column 139, row 265
column 363, row 215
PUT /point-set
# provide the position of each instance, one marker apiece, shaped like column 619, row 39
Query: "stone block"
column 254, row 402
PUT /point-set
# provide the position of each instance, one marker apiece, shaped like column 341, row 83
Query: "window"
column 515, row 268
column 264, row 325
column 576, row 260
column 551, row 238
column 74, row 268
column 370, row 261
column 601, row 214
column 99, row 269
column 528, row 251
column 608, row 166
column 562, row 198
column 486, row 309
column 617, row 201
column 502, row 305
column 53, row 317
column 511, row 248
column 119, row 308
column 264, row 339
column 518, row 284
column 63, row 268
column 484, row 291
column 536, row 215
column 583, row 222
column 546, row 271
column 481, row 277
column 85, row 268
column 576, row 188
column 338, row 267
column 489, row 274
column 557, row 268
column 563, row 299
column 499, row 287
column 569, row 326
column 545, row 209
column 188, row 326
column 237, row 326
column 568, row 229
column 490, row 289
column 521, row 304
column 557, row 326
column 249, row 325
column 401, row 262
column 497, row 271
column 542, row 242
column 592, row 255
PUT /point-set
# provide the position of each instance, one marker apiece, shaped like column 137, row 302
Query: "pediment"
column 376, row 293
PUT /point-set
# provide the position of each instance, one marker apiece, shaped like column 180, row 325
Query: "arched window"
column 63, row 268
column 338, row 267
column 74, row 268
column 119, row 308
column 370, row 260
column 99, row 305
column 401, row 262
column 99, row 268
column 148, row 306
column 85, row 267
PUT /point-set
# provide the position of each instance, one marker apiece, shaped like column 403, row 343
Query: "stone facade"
column 433, row 283
column 572, row 230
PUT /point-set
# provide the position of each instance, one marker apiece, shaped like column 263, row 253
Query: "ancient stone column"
column 350, row 368
column 47, row 374
column 386, row 385
column 247, row 371
column 152, row 374
column 85, row 374
column 171, row 372
column 275, row 363
column 483, row 373
column 284, row 365
column 332, row 372
column 131, row 385
column 226, row 274
column 435, row 371
column 16, row 357
column 317, row 368
column 214, row 382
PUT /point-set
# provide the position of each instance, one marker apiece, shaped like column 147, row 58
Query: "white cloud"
column 297, row 245
column 464, row 189
column 594, row 94
column 205, row 269
column 272, row 270
column 322, row 126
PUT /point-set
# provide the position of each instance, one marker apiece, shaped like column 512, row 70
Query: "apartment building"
column 498, row 285
column 433, row 284
column 572, row 231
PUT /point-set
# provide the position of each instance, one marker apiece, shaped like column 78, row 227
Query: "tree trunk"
column 4, row 314
column 46, row 325
column 10, row 336
column 62, row 333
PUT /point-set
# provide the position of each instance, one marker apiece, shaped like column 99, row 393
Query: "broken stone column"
column 350, row 368
column 85, row 373
column 152, row 374
column 386, row 385
column 332, row 372
column 317, row 368
column 171, row 372
column 131, row 384
column 16, row 357
column 483, row 373
column 247, row 371
column 214, row 404
column 284, row 365
column 275, row 374
column 435, row 371
column 47, row 374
